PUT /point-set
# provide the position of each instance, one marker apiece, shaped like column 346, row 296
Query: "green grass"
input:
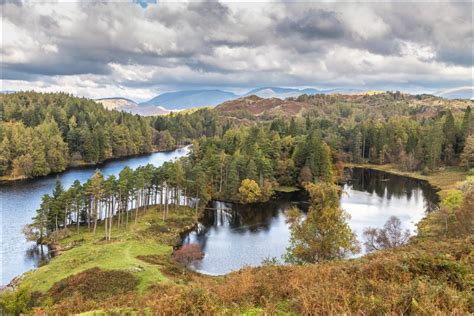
column 286, row 189
column 118, row 254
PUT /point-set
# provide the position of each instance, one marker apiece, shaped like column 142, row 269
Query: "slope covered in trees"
column 44, row 133
column 416, row 132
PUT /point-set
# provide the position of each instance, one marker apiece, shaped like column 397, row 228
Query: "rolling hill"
column 127, row 105
column 190, row 98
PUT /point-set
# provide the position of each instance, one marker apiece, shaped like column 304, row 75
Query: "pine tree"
column 5, row 156
column 233, row 180
column 252, row 170
column 467, row 126
column 467, row 156
column 40, row 165
column 96, row 188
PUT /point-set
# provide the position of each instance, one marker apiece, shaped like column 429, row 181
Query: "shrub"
column 188, row 254
column 19, row 301
column 94, row 284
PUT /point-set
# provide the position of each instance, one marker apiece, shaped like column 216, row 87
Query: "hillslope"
column 254, row 107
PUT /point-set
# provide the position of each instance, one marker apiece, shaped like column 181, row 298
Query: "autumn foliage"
column 188, row 254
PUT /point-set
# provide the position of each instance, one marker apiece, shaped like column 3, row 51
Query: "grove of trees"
column 42, row 133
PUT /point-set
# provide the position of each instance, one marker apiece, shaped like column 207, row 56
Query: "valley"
column 224, row 194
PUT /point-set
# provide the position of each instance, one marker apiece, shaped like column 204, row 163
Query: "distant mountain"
column 281, row 93
column 186, row 99
column 191, row 98
column 466, row 93
column 127, row 105
column 345, row 91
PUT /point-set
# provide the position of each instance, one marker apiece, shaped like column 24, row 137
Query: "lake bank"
column 143, row 253
column 77, row 164
column 443, row 179
column 20, row 199
column 235, row 235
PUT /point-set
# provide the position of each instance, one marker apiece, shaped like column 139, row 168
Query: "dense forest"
column 42, row 133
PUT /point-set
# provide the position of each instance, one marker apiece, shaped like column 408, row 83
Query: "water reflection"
column 38, row 255
column 386, row 186
column 233, row 235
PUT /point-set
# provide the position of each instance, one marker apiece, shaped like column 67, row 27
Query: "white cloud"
column 102, row 49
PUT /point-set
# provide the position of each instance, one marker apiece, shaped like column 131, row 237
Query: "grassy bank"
column 150, row 236
column 443, row 179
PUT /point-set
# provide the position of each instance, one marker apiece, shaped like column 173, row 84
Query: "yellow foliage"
column 249, row 191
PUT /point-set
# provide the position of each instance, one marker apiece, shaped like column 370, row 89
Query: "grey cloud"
column 240, row 45
column 313, row 24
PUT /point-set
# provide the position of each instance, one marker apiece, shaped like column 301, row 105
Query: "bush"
column 19, row 301
column 94, row 284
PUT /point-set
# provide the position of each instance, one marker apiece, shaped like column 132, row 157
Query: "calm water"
column 233, row 236
column 19, row 201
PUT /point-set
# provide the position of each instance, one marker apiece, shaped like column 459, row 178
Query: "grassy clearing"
column 286, row 189
column 89, row 251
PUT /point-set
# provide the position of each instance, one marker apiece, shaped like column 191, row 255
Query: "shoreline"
column 430, row 179
column 82, row 164
column 441, row 180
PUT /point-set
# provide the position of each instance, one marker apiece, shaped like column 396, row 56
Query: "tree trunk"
column 77, row 218
column 95, row 216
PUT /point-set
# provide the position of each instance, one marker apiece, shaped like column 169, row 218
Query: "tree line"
column 42, row 133
column 116, row 201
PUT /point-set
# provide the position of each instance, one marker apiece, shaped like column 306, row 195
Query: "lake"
column 233, row 236
column 19, row 201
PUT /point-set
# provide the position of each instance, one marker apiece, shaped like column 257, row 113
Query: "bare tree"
column 390, row 236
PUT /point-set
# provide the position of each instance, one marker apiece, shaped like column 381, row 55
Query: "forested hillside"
column 44, row 133
column 415, row 132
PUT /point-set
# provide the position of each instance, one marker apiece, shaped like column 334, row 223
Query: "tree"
column 249, row 191
column 23, row 166
column 305, row 175
column 324, row 234
column 166, row 141
column 188, row 254
column 390, row 236
column 95, row 189
column 233, row 181
column 57, row 205
column 252, row 170
column 467, row 156
column 41, row 225
column 5, row 156
column 465, row 216
column 467, row 126
column 450, row 205
column 77, row 196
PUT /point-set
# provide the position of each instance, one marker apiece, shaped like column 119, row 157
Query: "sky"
column 139, row 50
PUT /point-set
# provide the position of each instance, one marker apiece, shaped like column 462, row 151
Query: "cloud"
column 144, row 47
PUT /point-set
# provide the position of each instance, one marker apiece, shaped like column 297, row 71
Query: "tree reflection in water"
column 39, row 255
column 235, row 235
